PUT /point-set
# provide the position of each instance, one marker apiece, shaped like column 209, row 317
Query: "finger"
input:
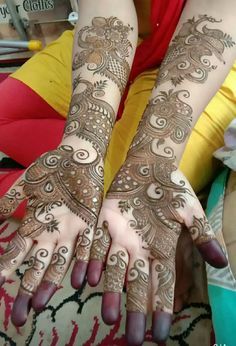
column 54, row 275
column 14, row 255
column 137, row 301
column 99, row 250
column 204, row 238
column 113, row 283
column 38, row 262
column 82, row 257
column 12, row 199
column 163, row 284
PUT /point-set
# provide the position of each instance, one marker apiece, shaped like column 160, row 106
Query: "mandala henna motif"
column 137, row 289
column 105, row 48
column 187, row 56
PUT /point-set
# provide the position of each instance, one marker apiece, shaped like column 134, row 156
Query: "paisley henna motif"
column 105, row 48
column 189, row 53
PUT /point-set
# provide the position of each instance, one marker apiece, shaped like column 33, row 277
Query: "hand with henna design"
column 148, row 204
column 64, row 191
column 64, row 187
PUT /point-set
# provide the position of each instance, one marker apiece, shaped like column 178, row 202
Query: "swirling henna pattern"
column 168, row 116
column 201, row 230
column 165, row 292
column 101, row 242
column 58, row 266
column 137, row 290
column 105, row 48
column 33, row 274
column 91, row 118
column 10, row 201
column 115, row 273
column 83, row 245
column 187, row 56
column 14, row 248
column 58, row 178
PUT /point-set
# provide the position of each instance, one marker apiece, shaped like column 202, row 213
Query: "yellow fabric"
column 197, row 163
column 51, row 77
column 53, row 83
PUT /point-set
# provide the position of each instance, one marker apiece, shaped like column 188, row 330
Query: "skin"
column 144, row 240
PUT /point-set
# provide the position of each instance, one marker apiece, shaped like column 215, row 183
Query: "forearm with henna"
column 64, row 187
column 150, row 198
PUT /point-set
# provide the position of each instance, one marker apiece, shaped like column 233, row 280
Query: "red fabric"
column 28, row 128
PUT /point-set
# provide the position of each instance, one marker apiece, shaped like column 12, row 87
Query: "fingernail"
column 135, row 328
column 21, row 309
column 161, row 323
column 94, row 272
column 213, row 254
column 111, row 307
column 78, row 274
column 2, row 280
column 44, row 293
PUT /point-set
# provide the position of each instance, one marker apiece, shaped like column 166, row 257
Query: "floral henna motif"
column 137, row 289
column 101, row 242
column 115, row 272
column 105, row 48
column 91, row 118
column 187, row 57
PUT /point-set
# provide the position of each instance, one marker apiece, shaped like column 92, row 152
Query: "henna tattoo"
column 58, row 178
column 166, row 116
column 10, row 202
column 187, row 56
column 9, row 259
column 165, row 291
column 83, row 245
column 101, row 242
column 115, row 272
column 105, row 48
column 201, row 230
column 58, row 266
column 33, row 274
column 91, row 118
column 137, row 289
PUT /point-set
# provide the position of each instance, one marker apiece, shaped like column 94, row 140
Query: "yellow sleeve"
column 48, row 73
column 197, row 162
